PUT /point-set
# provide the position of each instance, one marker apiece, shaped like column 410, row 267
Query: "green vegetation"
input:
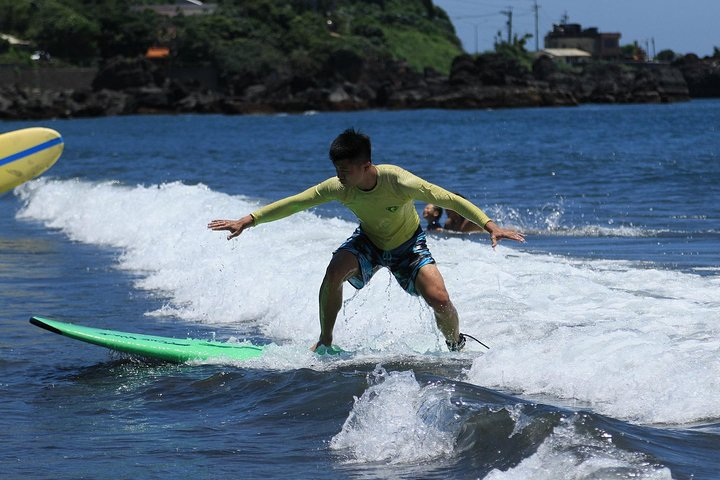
column 421, row 50
column 241, row 37
column 666, row 55
column 633, row 52
column 516, row 51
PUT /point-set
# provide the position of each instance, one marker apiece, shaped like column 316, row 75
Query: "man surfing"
column 389, row 235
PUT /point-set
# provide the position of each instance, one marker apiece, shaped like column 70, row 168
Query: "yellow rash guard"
column 387, row 213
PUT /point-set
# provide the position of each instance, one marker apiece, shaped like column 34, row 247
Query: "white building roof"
column 13, row 40
column 564, row 52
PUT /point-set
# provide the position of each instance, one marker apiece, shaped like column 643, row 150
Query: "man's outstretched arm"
column 422, row 190
column 280, row 209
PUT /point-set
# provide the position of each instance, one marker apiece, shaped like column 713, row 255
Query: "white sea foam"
column 551, row 220
column 634, row 343
column 397, row 420
column 570, row 455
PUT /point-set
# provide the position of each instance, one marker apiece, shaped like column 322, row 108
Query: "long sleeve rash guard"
column 387, row 213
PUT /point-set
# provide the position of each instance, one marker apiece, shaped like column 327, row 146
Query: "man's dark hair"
column 351, row 145
column 438, row 209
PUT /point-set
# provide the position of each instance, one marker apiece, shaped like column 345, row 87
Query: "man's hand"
column 497, row 234
column 235, row 227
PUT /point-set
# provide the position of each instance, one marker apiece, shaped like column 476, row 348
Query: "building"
column 14, row 41
column 602, row 46
column 571, row 56
column 174, row 9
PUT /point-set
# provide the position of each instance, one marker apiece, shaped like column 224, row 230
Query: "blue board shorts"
column 404, row 261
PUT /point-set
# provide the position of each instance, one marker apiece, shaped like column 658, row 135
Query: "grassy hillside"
column 241, row 37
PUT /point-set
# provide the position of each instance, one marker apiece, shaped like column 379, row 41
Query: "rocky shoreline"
column 135, row 86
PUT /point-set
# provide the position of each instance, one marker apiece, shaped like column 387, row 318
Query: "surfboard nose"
column 26, row 154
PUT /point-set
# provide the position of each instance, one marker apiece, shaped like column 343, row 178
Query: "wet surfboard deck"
column 162, row 348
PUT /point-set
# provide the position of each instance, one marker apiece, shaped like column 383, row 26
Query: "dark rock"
column 122, row 73
column 150, row 99
column 544, row 68
column 351, row 83
column 617, row 83
column 463, row 71
column 254, row 92
column 702, row 76
column 344, row 65
column 496, row 69
column 104, row 102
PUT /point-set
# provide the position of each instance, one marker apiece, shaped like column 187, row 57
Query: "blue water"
column 603, row 327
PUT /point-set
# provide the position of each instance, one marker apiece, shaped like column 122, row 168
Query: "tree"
column 666, row 55
column 127, row 34
column 65, row 33
column 16, row 15
column 633, row 52
column 515, row 50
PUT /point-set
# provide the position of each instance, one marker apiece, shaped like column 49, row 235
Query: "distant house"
column 174, row 9
column 602, row 46
column 14, row 40
column 571, row 56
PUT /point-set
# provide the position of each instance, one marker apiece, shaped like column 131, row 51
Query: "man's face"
column 350, row 173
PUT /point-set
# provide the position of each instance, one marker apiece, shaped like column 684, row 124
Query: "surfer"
column 389, row 235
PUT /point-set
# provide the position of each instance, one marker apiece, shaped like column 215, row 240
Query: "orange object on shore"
column 157, row 52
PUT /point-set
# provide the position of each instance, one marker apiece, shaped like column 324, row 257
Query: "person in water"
column 389, row 234
column 457, row 223
column 432, row 214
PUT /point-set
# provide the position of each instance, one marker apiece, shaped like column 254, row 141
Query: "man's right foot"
column 456, row 346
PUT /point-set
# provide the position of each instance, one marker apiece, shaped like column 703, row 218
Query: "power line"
column 536, row 9
column 509, row 14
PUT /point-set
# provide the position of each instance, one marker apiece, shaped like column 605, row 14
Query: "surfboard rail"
column 169, row 349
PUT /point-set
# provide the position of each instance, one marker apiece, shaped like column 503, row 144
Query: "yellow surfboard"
column 26, row 153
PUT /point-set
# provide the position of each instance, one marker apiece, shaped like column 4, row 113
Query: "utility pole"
column 653, row 44
column 536, row 8
column 476, row 38
column 508, row 14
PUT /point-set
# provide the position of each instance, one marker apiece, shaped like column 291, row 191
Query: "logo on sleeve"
column 392, row 209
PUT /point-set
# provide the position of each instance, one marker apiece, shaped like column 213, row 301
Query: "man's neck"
column 370, row 180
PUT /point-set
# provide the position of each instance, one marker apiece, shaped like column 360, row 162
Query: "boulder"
column 702, row 76
column 121, row 73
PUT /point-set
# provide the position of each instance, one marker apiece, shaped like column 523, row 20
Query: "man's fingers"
column 220, row 225
column 217, row 224
column 512, row 235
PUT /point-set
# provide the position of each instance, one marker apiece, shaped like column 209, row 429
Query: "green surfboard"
column 162, row 348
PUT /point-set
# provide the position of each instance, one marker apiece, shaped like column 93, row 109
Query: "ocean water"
column 603, row 328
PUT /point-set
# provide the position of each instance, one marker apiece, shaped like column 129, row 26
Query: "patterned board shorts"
column 404, row 261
